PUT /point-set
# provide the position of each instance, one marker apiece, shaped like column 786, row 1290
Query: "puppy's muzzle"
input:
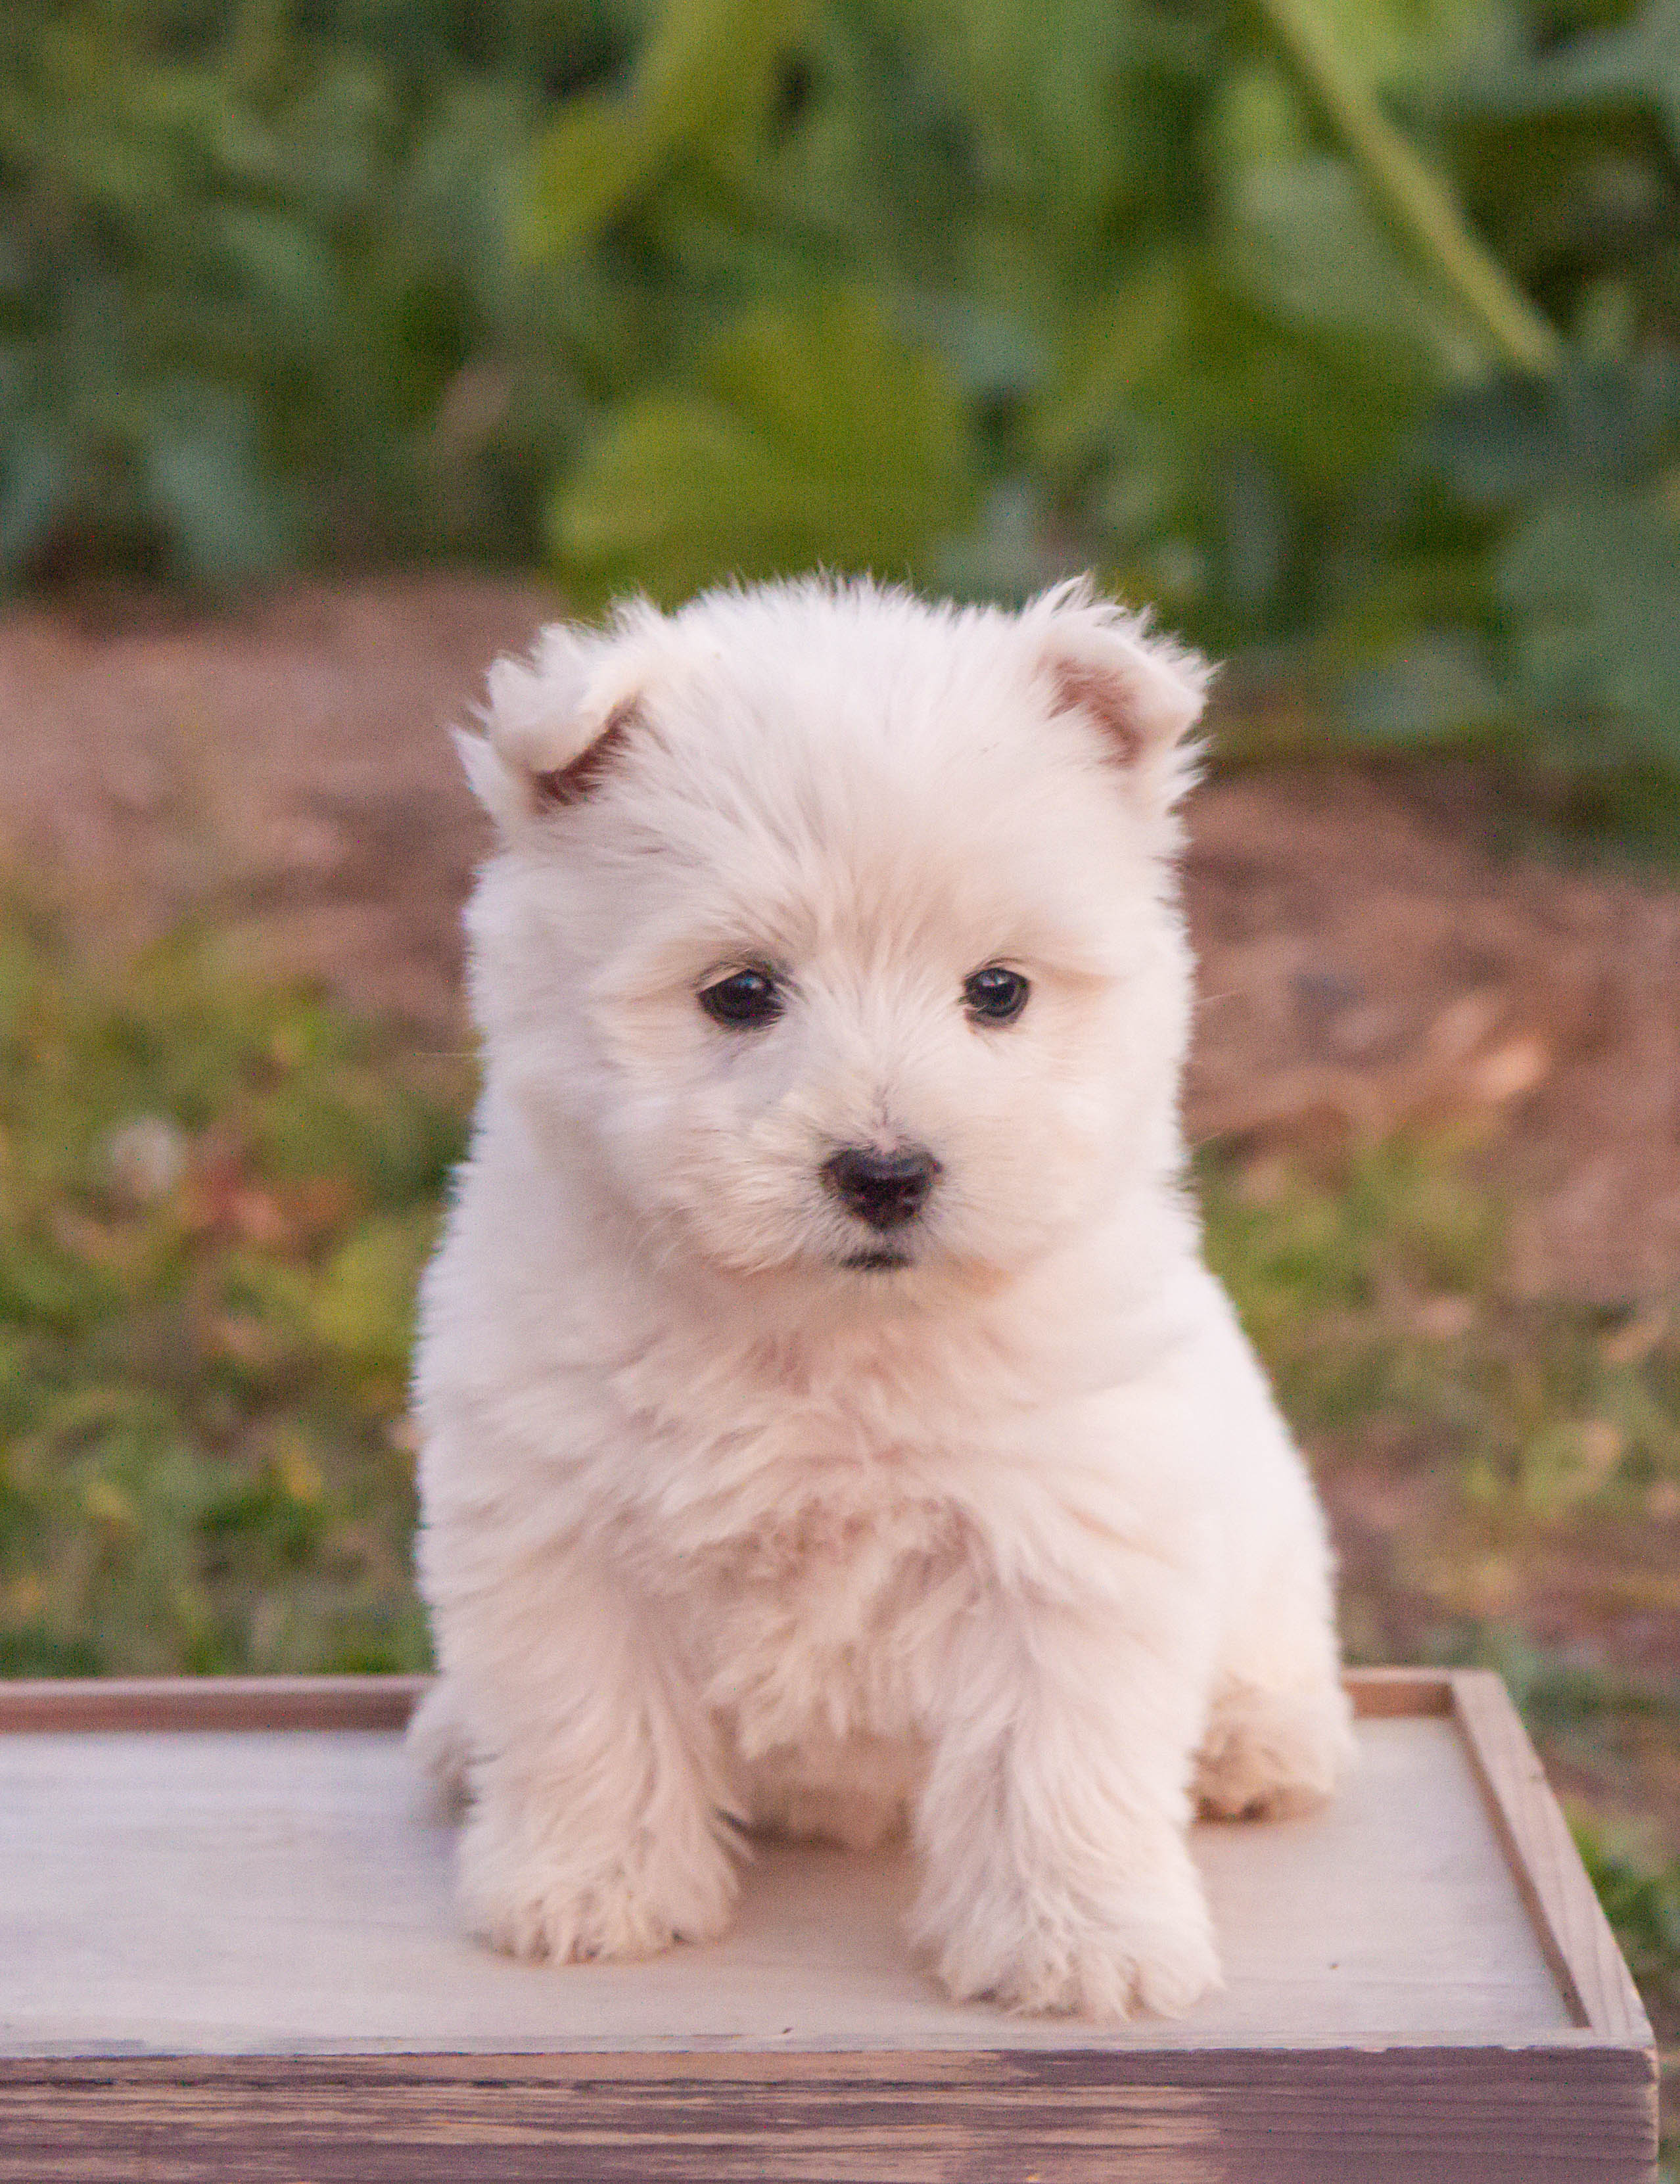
column 885, row 1189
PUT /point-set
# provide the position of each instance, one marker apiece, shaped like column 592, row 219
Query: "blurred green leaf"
column 364, row 1309
column 35, row 488
column 1306, row 246
column 1634, row 63
column 1499, row 447
column 207, row 484
column 1431, row 689
column 704, row 72
column 1594, row 590
column 1112, row 349
column 814, row 436
column 1412, row 196
column 586, row 164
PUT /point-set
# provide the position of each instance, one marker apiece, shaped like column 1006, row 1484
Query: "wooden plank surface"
column 261, row 1891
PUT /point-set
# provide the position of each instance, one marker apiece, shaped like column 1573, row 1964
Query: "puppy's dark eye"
column 743, row 1000
column 995, row 995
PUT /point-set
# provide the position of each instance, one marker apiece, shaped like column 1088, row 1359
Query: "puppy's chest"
column 811, row 1541
column 824, row 1620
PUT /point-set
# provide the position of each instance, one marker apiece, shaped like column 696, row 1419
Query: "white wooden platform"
column 229, row 1951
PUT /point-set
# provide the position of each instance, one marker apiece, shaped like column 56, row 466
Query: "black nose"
column 885, row 1189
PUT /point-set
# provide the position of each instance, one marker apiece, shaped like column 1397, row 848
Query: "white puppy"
column 828, row 1416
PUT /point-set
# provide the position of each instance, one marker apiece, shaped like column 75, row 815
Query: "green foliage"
column 1642, row 1901
column 1594, row 591
column 1379, row 1296
column 811, row 436
column 258, row 295
column 702, row 80
column 1346, row 330
column 1216, row 326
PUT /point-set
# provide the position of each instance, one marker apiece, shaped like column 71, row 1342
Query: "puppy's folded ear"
column 553, row 725
column 1141, row 691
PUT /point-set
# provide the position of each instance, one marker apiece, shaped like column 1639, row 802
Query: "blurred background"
column 343, row 341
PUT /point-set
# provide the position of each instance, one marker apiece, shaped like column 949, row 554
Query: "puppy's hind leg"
column 1268, row 1754
column 440, row 1745
column 1279, row 1735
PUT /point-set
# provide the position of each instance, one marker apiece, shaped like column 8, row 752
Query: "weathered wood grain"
column 1411, row 2117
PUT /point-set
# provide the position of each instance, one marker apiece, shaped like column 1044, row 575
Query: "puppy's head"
column 833, row 932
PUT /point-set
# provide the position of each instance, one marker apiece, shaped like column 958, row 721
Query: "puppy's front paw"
column 546, row 1904
column 1136, row 1955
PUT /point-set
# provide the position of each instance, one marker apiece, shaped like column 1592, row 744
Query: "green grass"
column 204, row 1463
column 1641, row 1900
column 1380, row 1302
column 214, row 1199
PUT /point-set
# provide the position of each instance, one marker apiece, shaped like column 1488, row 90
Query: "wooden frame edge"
column 211, row 1702
column 1568, row 1918
column 1096, row 2069
column 1390, row 1694
column 287, row 1703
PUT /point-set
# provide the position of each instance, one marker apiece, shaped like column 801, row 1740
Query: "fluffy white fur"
column 720, row 1529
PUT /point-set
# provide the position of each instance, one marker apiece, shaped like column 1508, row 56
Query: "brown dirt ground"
column 1370, row 961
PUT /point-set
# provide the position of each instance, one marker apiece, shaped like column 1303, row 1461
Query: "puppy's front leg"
column 1056, row 1875
column 597, row 1824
